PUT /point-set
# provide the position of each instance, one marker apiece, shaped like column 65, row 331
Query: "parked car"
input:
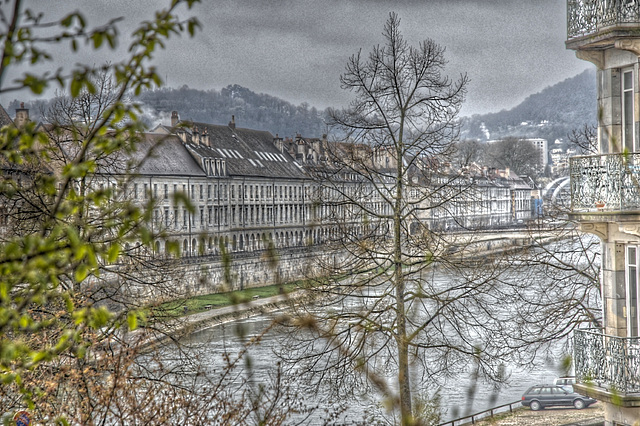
column 542, row 396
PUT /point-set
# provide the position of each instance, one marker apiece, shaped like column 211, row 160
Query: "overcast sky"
column 297, row 49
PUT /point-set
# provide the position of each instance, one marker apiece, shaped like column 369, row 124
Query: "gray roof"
column 5, row 120
column 165, row 155
column 246, row 152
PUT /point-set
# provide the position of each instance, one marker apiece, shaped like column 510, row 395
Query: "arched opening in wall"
column 226, row 243
column 247, row 243
column 210, row 245
column 241, row 243
column 234, row 245
column 295, row 238
column 270, row 239
column 202, row 246
column 156, row 247
column 216, row 244
column 287, row 239
column 282, row 241
column 253, row 242
column 185, row 248
column 194, row 247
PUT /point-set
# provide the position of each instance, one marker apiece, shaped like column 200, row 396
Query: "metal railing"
column 606, row 361
column 476, row 417
column 608, row 182
column 586, row 17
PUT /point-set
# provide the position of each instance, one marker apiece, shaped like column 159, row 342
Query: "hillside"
column 550, row 114
column 251, row 110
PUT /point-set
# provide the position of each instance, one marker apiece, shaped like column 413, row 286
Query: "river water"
column 459, row 394
column 212, row 344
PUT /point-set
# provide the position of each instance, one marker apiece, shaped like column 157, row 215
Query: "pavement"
column 591, row 416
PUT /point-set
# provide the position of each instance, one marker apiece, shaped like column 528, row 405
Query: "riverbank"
column 191, row 323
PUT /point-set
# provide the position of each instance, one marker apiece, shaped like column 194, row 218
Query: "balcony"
column 591, row 17
column 607, row 367
column 605, row 183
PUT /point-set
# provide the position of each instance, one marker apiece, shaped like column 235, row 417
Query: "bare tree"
column 402, row 121
column 585, row 139
column 519, row 155
column 469, row 151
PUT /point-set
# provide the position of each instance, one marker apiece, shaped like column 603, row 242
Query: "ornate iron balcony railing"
column 607, row 361
column 609, row 182
column 586, row 17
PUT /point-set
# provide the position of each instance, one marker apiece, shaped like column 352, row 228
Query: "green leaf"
column 114, row 252
column 132, row 320
column 75, row 87
column 81, row 272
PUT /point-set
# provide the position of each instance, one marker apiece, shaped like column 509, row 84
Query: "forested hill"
column 550, row 114
column 251, row 110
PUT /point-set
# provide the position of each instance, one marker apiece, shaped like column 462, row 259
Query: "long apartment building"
column 249, row 189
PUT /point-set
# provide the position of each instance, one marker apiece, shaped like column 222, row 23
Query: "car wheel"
column 578, row 404
column 535, row 405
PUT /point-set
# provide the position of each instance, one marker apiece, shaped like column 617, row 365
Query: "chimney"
column 277, row 141
column 205, row 138
column 196, row 135
column 22, row 116
column 232, row 123
column 174, row 118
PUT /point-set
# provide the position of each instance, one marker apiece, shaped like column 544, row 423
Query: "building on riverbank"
column 249, row 191
column 605, row 200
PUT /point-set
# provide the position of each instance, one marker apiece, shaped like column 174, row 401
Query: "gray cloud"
column 296, row 49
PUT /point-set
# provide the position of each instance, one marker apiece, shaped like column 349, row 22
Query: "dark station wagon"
column 541, row 396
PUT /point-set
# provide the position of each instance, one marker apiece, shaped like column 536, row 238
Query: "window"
column 155, row 190
column 631, row 308
column 135, row 191
column 201, row 193
column 146, row 191
column 208, row 192
column 166, row 191
column 627, row 111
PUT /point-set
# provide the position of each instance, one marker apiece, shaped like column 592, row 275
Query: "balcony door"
column 632, row 306
column 628, row 113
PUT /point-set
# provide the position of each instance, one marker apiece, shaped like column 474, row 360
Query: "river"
column 459, row 395
column 211, row 345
